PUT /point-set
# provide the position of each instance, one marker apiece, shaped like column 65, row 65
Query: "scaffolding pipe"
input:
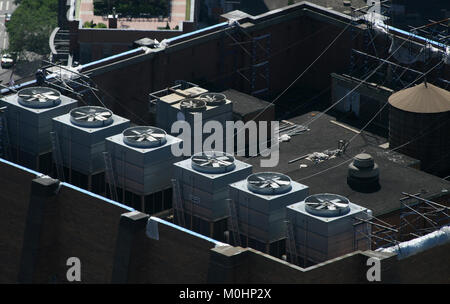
column 414, row 246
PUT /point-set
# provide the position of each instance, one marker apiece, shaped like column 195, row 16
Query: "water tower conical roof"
column 422, row 98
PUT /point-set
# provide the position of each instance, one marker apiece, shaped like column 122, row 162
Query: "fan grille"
column 269, row 183
column 327, row 205
column 39, row 97
column 214, row 162
column 213, row 99
column 144, row 137
column 91, row 117
column 193, row 105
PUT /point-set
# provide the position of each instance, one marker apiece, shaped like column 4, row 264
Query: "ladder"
column 291, row 242
column 234, row 223
column 4, row 135
column 109, row 173
column 177, row 203
column 57, row 157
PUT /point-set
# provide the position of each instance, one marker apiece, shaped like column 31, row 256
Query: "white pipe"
column 414, row 246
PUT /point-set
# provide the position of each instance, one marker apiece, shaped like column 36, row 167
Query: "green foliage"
column 31, row 25
column 132, row 7
column 88, row 24
column 290, row 2
column 91, row 24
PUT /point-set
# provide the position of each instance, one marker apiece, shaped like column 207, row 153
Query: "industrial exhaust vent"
column 363, row 174
column 327, row 205
column 144, row 137
column 193, row 105
column 213, row 162
column 91, row 117
column 213, row 99
column 39, row 97
column 269, row 183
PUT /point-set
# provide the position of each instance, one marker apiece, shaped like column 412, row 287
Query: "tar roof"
column 324, row 134
column 244, row 104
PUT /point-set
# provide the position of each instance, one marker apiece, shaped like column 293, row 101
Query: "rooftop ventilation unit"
column 193, row 105
column 363, row 174
column 213, row 162
column 185, row 104
column 144, row 137
column 29, row 115
column 82, row 134
column 269, row 183
column 327, row 205
column 261, row 202
column 142, row 159
column 204, row 180
column 39, row 97
column 213, row 99
column 323, row 227
column 91, row 117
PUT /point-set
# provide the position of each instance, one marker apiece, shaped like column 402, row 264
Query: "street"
column 6, row 6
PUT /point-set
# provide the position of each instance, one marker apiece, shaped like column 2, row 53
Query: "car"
column 7, row 17
column 7, row 61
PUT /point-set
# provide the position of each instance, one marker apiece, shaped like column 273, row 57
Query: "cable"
column 390, row 150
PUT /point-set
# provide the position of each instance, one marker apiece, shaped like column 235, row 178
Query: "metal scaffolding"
column 420, row 216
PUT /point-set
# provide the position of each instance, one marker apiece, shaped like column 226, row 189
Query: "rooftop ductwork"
column 363, row 174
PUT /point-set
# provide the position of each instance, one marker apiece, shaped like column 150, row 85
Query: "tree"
column 31, row 25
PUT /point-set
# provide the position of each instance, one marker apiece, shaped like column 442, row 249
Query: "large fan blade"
column 200, row 159
column 158, row 135
column 281, row 182
column 274, row 185
column 150, row 138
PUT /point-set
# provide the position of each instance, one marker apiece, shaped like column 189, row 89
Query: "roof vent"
column 213, row 99
column 144, row 137
column 269, row 183
column 213, row 162
column 91, row 117
column 39, row 97
column 193, row 105
column 363, row 174
column 327, row 205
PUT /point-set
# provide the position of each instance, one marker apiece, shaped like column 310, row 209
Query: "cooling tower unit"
column 260, row 202
column 29, row 116
column 203, row 182
column 419, row 126
column 81, row 135
column 163, row 101
column 200, row 104
column 143, row 165
column 322, row 226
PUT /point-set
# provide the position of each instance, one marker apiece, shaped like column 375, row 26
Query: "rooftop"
column 178, row 13
column 244, row 104
column 324, row 133
column 255, row 7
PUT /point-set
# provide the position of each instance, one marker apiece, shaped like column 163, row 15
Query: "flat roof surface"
column 244, row 104
column 324, row 134
column 256, row 7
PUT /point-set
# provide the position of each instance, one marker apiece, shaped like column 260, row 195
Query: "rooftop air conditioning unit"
column 82, row 134
column 261, row 202
column 323, row 227
column 204, row 180
column 142, row 159
column 211, row 107
column 164, row 103
column 29, row 114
